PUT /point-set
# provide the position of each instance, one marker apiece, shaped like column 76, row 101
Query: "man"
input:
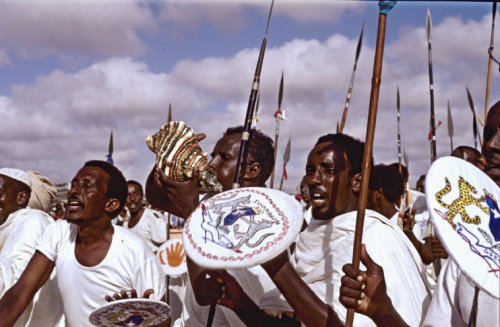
column 181, row 198
column 143, row 221
column 470, row 155
column 333, row 177
column 451, row 304
column 20, row 227
column 92, row 257
column 386, row 188
column 420, row 186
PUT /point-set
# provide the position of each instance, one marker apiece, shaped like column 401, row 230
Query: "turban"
column 43, row 192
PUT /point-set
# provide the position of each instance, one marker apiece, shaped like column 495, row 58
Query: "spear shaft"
column 490, row 60
column 428, row 24
column 279, row 116
column 398, row 107
column 370, row 134
column 255, row 118
column 351, row 84
column 245, row 135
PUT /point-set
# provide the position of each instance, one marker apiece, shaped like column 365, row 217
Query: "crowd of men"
column 57, row 272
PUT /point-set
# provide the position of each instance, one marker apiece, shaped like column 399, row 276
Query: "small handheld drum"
column 463, row 204
column 172, row 257
column 242, row 228
column 131, row 312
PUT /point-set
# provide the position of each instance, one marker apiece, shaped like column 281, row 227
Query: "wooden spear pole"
column 370, row 134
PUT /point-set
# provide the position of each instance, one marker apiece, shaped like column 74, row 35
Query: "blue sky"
column 71, row 71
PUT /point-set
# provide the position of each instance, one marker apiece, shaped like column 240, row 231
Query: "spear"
column 338, row 127
column 109, row 156
column 255, row 118
column 398, row 108
column 385, row 7
column 278, row 115
column 474, row 123
column 286, row 158
column 428, row 27
column 490, row 60
column 169, row 112
column 349, row 91
column 245, row 136
column 450, row 126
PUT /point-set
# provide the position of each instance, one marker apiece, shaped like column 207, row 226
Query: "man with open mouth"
column 93, row 258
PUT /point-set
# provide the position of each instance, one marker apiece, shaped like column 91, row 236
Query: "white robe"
column 18, row 237
column 325, row 246
column 452, row 301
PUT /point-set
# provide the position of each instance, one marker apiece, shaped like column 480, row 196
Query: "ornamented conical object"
column 179, row 154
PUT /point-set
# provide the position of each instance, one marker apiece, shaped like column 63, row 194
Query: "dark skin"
column 429, row 250
column 491, row 153
column 334, row 191
column 13, row 197
column 88, row 208
column 134, row 204
column 379, row 203
column 182, row 197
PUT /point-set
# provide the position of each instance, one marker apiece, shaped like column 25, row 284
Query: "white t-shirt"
column 152, row 227
column 452, row 301
column 18, row 237
column 128, row 264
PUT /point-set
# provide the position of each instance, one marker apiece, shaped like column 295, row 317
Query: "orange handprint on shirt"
column 175, row 256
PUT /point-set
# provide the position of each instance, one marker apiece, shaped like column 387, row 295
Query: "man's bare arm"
column 17, row 298
column 309, row 308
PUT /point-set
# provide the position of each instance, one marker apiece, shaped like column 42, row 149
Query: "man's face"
column 134, row 198
column 491, row 145
column 329, row 183
column 421, row 185
column 225, row 158
column 87, row 196
column 8, row 197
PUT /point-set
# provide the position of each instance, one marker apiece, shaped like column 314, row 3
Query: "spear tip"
column 280, row 95
column 428, row 25
column 398, row 103
column 360, row 42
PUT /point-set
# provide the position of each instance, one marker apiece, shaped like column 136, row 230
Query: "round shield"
column 131, row 312
column 172, row 257
column 463, row 204
column 242, row 228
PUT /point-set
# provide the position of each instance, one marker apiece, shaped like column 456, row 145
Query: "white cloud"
column 64, row 118
column 33, row 28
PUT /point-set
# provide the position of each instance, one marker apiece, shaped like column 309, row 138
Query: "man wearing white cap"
column 20, row 228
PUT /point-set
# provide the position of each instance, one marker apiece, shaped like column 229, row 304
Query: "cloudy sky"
column 72, row 71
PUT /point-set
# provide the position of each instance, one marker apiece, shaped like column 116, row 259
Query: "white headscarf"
column 43, row 191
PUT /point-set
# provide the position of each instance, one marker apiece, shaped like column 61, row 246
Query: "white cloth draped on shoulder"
column 325, row 246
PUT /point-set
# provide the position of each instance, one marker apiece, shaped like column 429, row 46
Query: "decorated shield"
column 242, row 228
column 172, row 257
column 463, row 204
column 131, row 312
